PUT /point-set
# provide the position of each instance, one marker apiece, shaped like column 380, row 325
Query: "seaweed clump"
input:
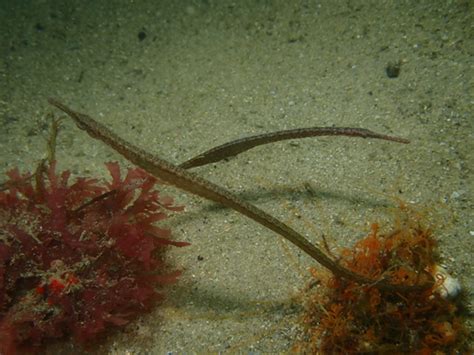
column 77, row 259
column 346, row 317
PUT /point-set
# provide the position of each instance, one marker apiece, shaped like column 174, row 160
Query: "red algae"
column 77, row 259
column 343, row 317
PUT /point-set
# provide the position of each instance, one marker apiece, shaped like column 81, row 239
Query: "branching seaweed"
column 78, row 258
column 343, row 317
column 179, row 177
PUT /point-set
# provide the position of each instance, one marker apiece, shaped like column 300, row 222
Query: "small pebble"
column 141, row 35
column 450, row 288
column 455, row 195
column 393, row 70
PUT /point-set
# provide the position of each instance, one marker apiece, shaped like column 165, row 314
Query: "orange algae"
column 345, row 317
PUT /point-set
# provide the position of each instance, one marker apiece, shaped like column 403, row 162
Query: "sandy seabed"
column 178, row 77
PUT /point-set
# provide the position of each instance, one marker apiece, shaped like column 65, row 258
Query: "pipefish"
column 191, row 182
